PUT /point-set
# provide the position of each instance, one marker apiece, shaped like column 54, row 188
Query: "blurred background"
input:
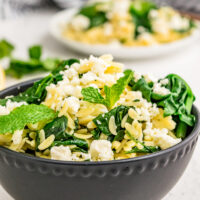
column 14, row 8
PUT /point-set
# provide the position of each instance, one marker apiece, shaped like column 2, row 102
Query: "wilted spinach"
column 177, row 103
column 139, row 11
column 95, row 16
column 71, row 140
column 57, row 127
column 146, row 149
column 102, row 121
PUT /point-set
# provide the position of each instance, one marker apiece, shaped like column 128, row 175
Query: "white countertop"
column 34, row 30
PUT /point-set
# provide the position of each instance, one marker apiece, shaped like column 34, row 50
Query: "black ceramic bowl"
column 143, row 178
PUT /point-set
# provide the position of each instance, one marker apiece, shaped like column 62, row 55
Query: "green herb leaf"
column 92, row 95
column 6, row 48
column 113, row 93
column 24, row 115
column 35, row 52
column 57, row 127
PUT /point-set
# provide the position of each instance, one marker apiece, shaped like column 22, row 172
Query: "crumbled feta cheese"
column 165, row 141
column 73, row 103
column 164, row 81
column 71, row 73
column 108, row 29
column 80, row 22
column 158, row 89
column 161, row 26
column 178, row 22
column 153, row 14
column 89, row 77
column 147, row 38
column 61, row 153
column 137, row 76
column 120, row 7
column 101, row 150
column 10, row 106
column 150, row 78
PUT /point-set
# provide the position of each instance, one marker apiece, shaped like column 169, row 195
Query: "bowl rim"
column 195, row 131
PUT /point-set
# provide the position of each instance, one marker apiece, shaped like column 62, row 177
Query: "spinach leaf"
column 96, row 133
column 35, row 52
column 119, row 136
column 146, row 149
column 79, row 150
column 143, row 87
column 189, row 28
column 139, row 11
column 102, row 121
column 6, row 48
column 112, row 93
column 72, row 141
column 57, row 127
column 95, row 16
column 178, row 103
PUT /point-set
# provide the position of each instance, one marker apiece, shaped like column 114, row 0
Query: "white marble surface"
column 34, row 29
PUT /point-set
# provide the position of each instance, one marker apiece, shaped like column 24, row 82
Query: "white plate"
column 60, row 20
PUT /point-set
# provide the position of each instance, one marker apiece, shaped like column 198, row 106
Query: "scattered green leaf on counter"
column 24, row 115
column 50, row 64
column 37, row 93
column 18, row 68
column 6, row 48
column 35, row 52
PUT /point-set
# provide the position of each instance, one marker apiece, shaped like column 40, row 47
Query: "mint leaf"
column 35, row 52
column 92, row 95
column 24, row 115
column 113, row 93
column 6, row 48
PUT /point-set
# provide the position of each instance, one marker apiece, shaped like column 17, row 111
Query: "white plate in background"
column 60, row 20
